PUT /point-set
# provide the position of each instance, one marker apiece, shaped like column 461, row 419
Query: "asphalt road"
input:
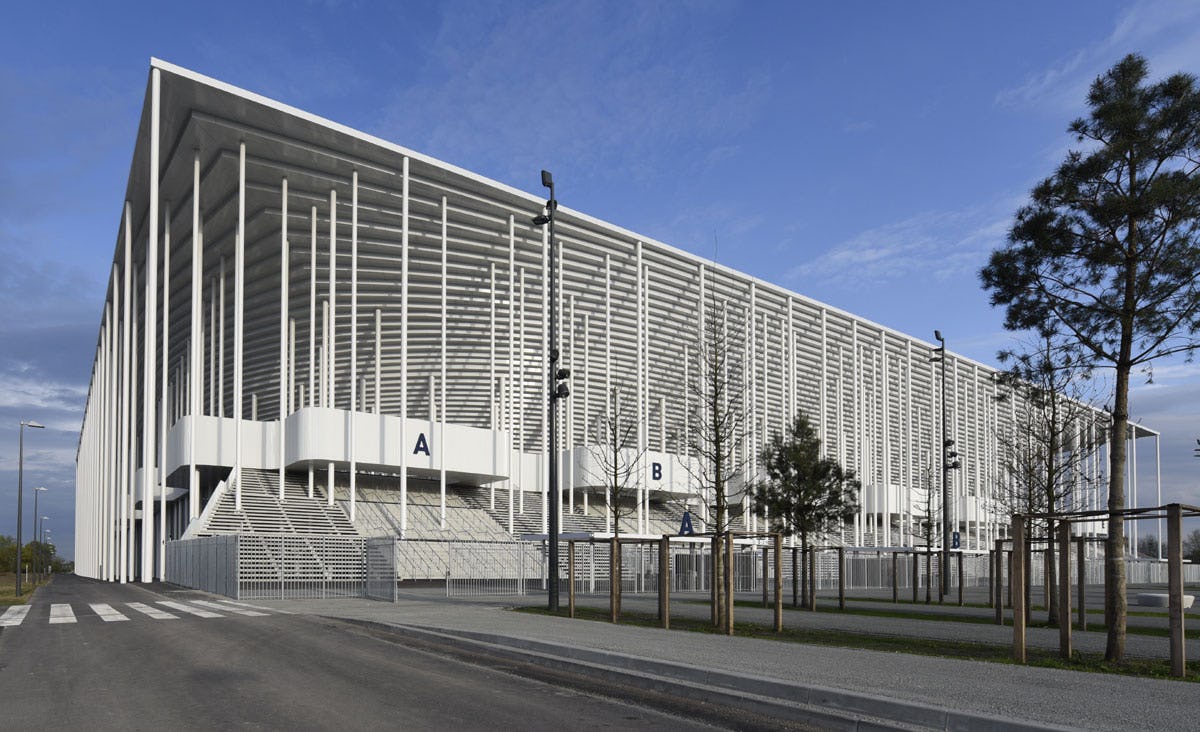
column 262, row 671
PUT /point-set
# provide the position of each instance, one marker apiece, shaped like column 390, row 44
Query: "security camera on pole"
column 949, row 462
column 558, row 390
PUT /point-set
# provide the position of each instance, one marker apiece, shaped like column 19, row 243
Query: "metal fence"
column 297, row 566
column 380, row 561
column 209, row 563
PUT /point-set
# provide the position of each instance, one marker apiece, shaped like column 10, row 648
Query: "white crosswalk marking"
column 107, row 613
column 152, row 611
column 13, row 616
column 189, row 609
column 61, row 613
column 239, row 611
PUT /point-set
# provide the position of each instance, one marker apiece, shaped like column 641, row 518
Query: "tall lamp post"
column 558, row 390
column 37, row 536
column 949, row 462
column 20, row 491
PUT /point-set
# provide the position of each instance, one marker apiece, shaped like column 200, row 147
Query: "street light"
column 558, row 390
column 949, row 462
column 20, row 491
column 36, row 534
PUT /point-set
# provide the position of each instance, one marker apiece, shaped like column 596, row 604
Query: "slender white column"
column 197, row 370
column 493, row 400
column 404, row 351
column 331, row 372
column 640, row 389
column 324, row 400
column 212, row 345
column 351, row 448
column 149, row 347
column 1158, row 489
column 441, row 427
column 123, row 483
column 312, row 328
column 378, row 361
column 239, row 345
column 291, row 361
column 131, row 464
column 162, row 435
column 514, row 350
column 108, row 486
column 312, row 313
column 284, row 282
column 523, row 407
column 221, row 341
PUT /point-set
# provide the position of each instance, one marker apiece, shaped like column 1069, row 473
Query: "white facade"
column 321, row 295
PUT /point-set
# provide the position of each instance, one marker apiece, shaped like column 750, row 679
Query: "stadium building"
column 310, row 331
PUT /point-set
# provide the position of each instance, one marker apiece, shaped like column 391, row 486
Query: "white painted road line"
column 107, row 613
column 189, row 609
column 13, row 616
column 239, row 611
column 257, row 607
column 61, row 613
column 152, row 611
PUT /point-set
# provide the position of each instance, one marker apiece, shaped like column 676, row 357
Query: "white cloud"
column 32, row 393
column 1164, row 31
column 936, row 245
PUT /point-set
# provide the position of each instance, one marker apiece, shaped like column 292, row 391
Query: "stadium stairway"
column 263, row 513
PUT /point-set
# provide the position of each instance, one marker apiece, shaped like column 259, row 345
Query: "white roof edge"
column 483, row 180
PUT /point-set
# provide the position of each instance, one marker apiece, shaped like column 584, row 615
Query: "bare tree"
column 1043, row 457
column 717, row 437
column 927, row 526
column 617, row 465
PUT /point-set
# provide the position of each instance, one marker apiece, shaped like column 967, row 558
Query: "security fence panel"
column 294, row 566
column 207, row 563
column 381, row 568
column 493, row 568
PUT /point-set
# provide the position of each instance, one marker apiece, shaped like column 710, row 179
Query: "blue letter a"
column 422, row 445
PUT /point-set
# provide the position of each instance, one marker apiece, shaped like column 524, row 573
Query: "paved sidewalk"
column 1037, row 695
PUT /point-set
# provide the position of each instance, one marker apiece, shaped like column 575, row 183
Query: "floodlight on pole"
column 20, row 491
column 558, row 390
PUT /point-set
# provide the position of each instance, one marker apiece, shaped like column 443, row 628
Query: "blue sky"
column 867, row 154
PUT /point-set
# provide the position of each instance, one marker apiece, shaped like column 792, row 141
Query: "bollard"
column 841, row 578
column 1017, row 580
column 664, row 581
column 916, row 573
column 570, row 579
column 991, row 577
column 1082, row 569
column 779, row 583
column 961, row 576
column 795, row 577
column 729, row 583
column 712, row 582
column 812, row 579
column 895, row 579
column 765, row 572
column 1064, row 589
column 1175, row 587
column 997, row 582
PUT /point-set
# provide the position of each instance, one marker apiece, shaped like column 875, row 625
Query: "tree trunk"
column 1115, row 603
column 614, row 579
column 1051, row 582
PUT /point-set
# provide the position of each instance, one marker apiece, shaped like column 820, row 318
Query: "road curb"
column 826, row 707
